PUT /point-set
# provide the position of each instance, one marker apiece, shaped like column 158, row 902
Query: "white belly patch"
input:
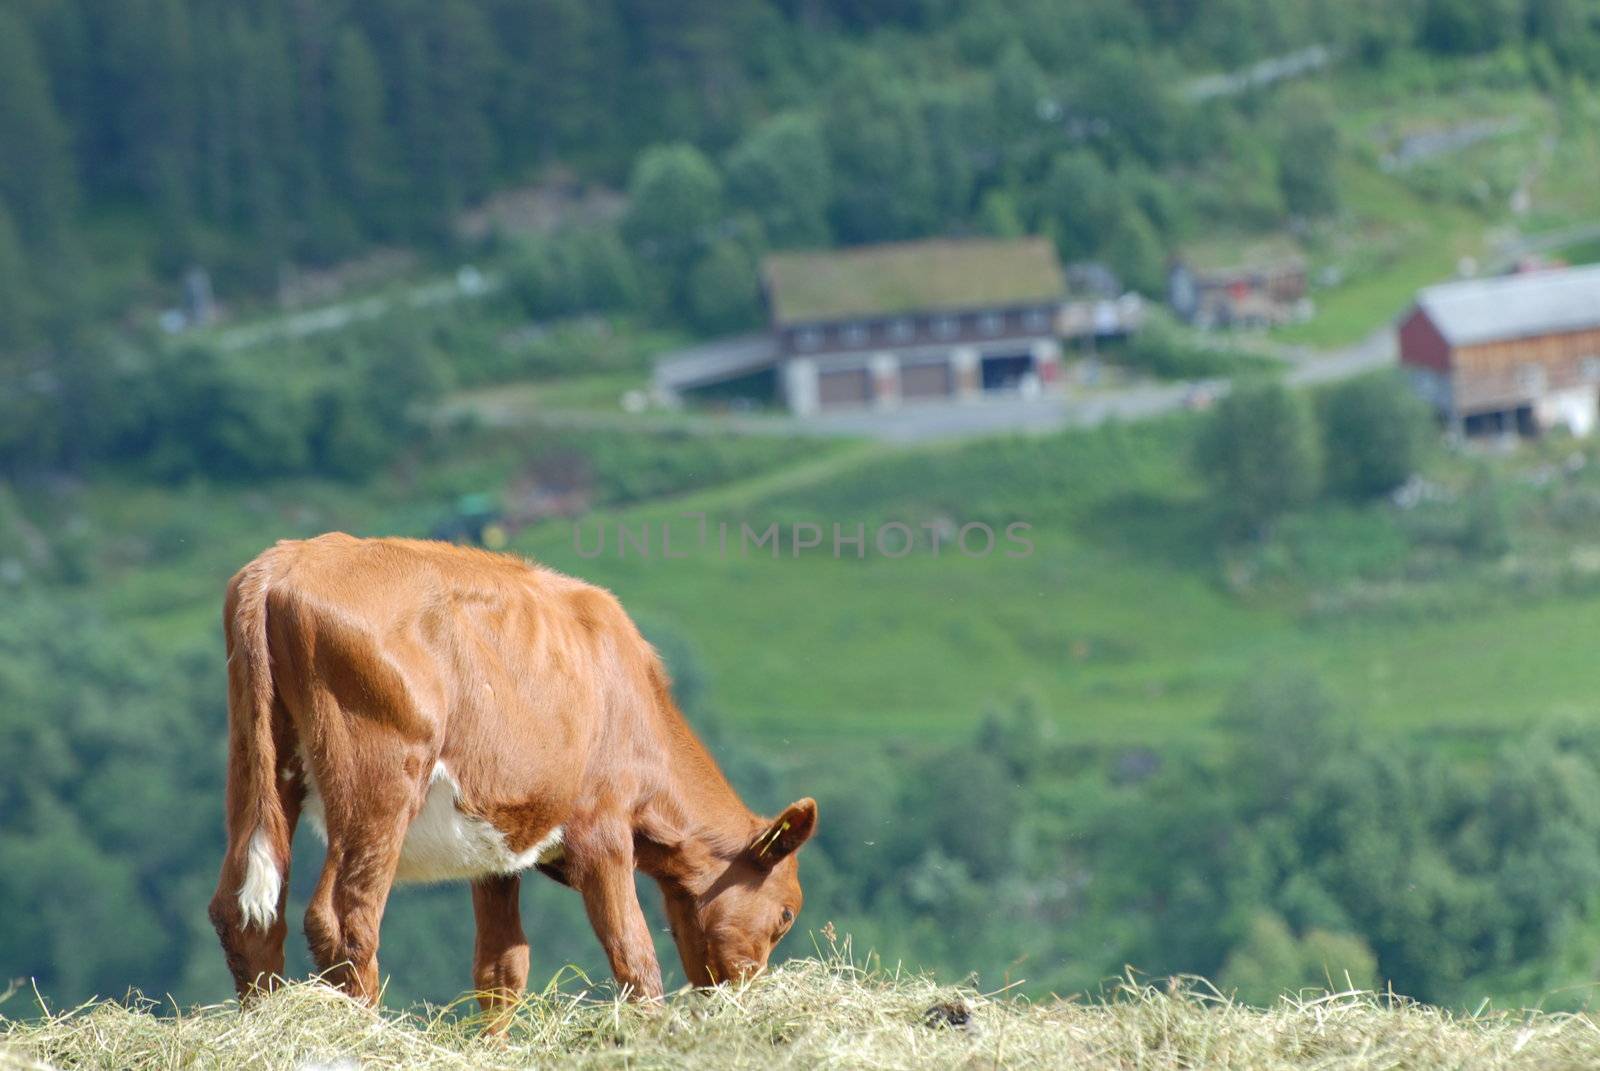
column 442, row 843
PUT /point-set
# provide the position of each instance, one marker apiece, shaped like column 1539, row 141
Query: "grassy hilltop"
column 813, row 1014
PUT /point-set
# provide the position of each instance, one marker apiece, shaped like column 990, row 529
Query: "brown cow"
column 441, row 713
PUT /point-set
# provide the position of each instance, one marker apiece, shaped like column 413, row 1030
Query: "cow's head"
column 726, row 932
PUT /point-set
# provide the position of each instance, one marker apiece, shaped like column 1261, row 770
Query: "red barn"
column 1513, row 353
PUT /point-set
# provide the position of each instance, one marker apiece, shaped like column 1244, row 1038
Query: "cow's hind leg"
column 249, row 909
column 500, row 955
column 367, row 824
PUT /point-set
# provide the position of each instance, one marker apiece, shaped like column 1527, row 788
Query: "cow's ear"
column 787, row 832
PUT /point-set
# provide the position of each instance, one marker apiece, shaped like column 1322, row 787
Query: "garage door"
column 843, row 388
column 930, row 379
column 1004, row 372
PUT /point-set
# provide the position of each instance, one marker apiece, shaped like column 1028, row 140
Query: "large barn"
column 1516, row 353
column 885, row 325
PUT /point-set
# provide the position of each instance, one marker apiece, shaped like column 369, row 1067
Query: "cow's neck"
column 689, row 832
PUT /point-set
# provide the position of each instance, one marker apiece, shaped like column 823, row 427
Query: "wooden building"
column 893, row 323
column 888, row 325
column 1266, row 292
column 1515, row 353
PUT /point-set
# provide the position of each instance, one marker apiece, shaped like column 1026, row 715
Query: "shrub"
column 1373, row 431
column 1271, row 960
column 723, row 292
column 1261, row 455
column 576, row 270
column 1161, row 350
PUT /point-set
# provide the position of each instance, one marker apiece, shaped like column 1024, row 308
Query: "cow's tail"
column 257, row 824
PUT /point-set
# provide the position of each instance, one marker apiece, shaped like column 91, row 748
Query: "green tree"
column 999, row 214
column 1081, row 204
column 675, row 204
column 1373, row 430
column 965, row 802
column 1017, row 737
column 585, row 269
column 1020, row 89
column 780, row 172
column 362, row 158
column 1377, row 29
column 37, row 182
column 17, row 311
column 442, row 83
column 1124, row 90
column 666, row 39
column 885, row 181
column 263, row 122
column 561, row 97
column 210, row 416
column 1570, row 29
column 1271, row 961
column 1260, row 453
column 1137, row 254
column 724, row 290
column 147, row 78
column 1308, row 157
column 1465, row 26
column 956, row 125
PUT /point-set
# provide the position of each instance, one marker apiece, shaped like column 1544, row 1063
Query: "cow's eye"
column 788, row 916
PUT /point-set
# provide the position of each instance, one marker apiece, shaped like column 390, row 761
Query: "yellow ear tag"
column 773, row 837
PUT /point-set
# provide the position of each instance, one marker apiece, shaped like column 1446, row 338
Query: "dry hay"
column 809, row 1014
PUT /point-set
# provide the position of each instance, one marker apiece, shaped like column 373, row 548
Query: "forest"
column 1261, row 827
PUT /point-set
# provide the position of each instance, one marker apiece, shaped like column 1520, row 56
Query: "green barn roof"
column 907, row 277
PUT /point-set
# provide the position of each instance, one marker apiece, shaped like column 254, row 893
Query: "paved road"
column 467, row 284
column 1523, row 245
column 1138, row 402
column 929, row 422
column 1260, row 74
column 1378, row 350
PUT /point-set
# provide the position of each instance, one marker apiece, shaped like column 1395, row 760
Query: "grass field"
column 811, row 1014
column 1120, row 622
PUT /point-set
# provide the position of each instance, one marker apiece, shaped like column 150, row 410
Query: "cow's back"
column 529, row 689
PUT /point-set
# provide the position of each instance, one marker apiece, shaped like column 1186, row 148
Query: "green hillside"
column 1121, row 618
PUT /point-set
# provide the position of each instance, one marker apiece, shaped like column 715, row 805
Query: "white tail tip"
column 258, row 894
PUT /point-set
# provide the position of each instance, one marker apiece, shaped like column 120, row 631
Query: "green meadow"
column 1126, row 618
column 1119, row 620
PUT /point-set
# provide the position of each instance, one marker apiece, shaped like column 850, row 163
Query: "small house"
column 897, row 324
column 1258, row 293
column 1515, row 353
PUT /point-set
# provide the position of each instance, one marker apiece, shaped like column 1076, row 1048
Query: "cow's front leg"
column 500, row 955
column 601, row 869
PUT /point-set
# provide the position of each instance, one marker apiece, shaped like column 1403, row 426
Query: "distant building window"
column 901, row 330
column 1036, row 320
column 1590, row 368
column 808, row 339
column 990, row 323
column 854, row 335
column 945, row 327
